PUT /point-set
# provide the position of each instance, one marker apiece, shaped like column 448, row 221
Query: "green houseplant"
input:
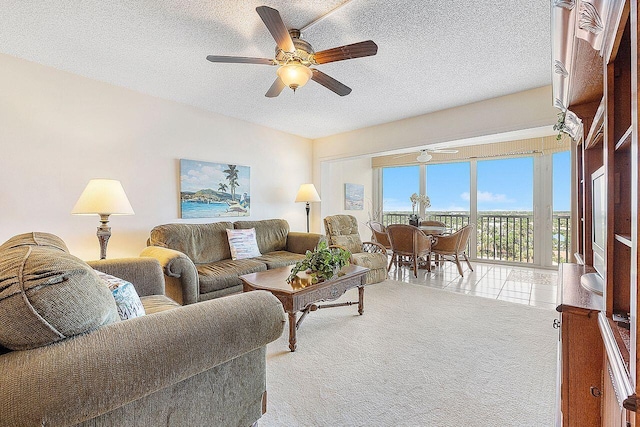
column 321, row 264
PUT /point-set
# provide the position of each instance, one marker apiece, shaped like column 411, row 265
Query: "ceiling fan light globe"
column 424, row 157
column 294, row 75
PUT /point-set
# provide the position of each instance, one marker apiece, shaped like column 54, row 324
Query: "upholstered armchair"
column 73, row 364
column 342, row 231
column 408, row 242
column 454, row 246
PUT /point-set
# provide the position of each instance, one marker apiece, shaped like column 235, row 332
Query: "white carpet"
column 417, row 357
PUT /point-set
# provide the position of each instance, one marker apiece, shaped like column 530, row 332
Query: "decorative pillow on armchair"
column 351, row 242
column 127, row 299
column 243, row 243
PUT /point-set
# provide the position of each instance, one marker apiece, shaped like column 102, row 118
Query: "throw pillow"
column 243, row 243
column 47, row 294
column 127, row 299
column 351, row 242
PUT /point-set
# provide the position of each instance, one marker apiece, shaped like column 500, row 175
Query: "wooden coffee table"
column 303, row 296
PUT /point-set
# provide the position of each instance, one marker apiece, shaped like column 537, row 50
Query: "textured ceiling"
column 432, row 54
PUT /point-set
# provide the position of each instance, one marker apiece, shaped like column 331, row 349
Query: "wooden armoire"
column 595, row 81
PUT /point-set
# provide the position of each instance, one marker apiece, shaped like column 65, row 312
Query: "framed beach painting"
column 353, row 197
column 213, row 190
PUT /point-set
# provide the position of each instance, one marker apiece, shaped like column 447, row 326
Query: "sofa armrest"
column 300, row 243
column 144, row 273
column 181, row 277
column 83, row 377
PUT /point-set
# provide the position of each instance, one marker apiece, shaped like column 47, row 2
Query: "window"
column 398, row 184
column 448, row 189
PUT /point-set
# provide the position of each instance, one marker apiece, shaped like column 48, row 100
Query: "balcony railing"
column 502, row 236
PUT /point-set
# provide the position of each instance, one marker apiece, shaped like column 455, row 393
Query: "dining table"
column 433, row 230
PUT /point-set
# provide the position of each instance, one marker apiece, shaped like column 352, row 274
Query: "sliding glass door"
column 505, row 223
column 398, row 184
column 561, row 235
column 447, row 185
column 521, row 205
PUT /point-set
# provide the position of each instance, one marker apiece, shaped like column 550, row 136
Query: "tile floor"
column 523, row 285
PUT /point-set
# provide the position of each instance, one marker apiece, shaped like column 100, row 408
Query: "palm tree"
column 232, row 177
column 222, row 187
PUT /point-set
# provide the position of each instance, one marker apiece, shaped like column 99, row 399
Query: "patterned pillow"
column 127, row 299
column 351, row 242
column 243, row 243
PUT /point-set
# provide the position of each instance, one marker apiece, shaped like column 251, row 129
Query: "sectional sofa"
column 197, row 261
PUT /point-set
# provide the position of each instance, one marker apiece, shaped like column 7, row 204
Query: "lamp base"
column 308, row 208
column 104, row 232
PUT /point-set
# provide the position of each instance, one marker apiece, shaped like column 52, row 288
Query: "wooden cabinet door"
column 581, row 369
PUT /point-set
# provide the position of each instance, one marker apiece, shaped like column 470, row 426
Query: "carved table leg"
column 360, row 300
column 292, row 332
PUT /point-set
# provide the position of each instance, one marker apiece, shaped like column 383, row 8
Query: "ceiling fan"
column 296, row 57
column 424, row 155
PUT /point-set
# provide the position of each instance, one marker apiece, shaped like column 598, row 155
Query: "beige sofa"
column 196, row 258
column 200, row 365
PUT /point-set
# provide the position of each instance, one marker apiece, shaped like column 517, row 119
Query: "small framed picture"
column 353, row 197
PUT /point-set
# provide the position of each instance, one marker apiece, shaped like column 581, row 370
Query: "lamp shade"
column 307, row 193
column 294, row 75
column 103, row 197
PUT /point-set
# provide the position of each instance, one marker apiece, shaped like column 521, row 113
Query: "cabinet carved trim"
column 590, row 18
column 617, row 368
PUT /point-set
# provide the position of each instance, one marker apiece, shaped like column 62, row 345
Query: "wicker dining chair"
column 379, row 233
column 454, row 246
column 409, row 242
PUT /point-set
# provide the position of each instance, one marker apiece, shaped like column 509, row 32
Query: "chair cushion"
column 157, row 303
column 47, row 294
column 279, row 259
column 375, row 262
column 351, row 242
column 224, row 274
column 243, row 243
column 370, row 260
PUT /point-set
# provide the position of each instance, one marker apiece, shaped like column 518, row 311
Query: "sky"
column 196, row 175
column 503, row 184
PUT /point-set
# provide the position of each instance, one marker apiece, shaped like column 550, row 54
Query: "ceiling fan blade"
column 276, row 27
column 275, row 88
column 240, row 60
column 443, row 151
column 330, row 83
column 350, row 51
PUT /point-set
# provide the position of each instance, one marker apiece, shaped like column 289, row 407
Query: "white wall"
column 58, row 130
column 334, row 176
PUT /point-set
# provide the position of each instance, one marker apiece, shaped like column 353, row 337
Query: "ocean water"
column 208, row 210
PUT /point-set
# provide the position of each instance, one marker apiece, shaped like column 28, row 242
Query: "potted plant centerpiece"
column 415, row 199
column 321, row 264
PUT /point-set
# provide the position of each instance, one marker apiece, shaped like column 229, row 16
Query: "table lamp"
column 103, row 197
column 307, row 193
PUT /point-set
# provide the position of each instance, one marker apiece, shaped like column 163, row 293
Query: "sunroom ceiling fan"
column 296, row 57
column 424, row 155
